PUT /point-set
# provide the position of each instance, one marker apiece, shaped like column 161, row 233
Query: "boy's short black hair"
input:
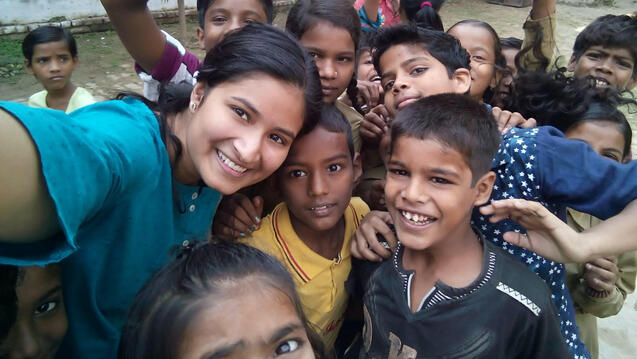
column 335, row 121
column 45, row 34
column 456, row 121
column 442, row 46
column 610, row 31
column 203, row 5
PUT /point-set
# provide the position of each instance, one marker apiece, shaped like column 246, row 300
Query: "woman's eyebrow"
column 247, row 104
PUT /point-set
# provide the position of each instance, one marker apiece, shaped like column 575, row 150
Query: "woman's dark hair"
column 45, row 34
column 203, row 5
column 561, row 101
column 423, row 13
column 255, row 48
column 307, row 13
column 500, row 62
column 171, row 300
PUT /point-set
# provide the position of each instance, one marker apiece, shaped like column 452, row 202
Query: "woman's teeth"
column 231, row 164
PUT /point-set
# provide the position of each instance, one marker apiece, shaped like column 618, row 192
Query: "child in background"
column 606, row 50
column 223, row 300
column 487, row 62
column 161, row 58
column 330, row 31
column 510, row 48
column 376, row 13
column 50, row 54
column 448, row 292
column 40, row 323
column 422, row 12
column 310, row 232
column 600, row 286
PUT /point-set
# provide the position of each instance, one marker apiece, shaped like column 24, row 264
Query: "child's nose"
column 327, row 70
column 414, row 192
column 318, row 185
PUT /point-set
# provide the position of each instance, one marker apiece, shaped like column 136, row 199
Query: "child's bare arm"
column 137, row 29
column 542, row 8
column 27, row 212
column 549, row 237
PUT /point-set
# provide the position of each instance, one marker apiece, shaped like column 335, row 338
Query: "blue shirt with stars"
column 540, row 164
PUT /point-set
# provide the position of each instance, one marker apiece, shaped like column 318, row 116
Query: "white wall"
column 27, row 11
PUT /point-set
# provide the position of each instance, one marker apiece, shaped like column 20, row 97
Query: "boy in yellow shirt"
column 310, row 232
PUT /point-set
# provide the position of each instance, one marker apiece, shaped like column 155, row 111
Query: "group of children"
column 333, row 145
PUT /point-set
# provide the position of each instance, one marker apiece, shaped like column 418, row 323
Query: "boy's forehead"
column 51, row 47
column 255, row 6
column 613, row 50
column 397, row 55
column 409, row 149
column 319, row 144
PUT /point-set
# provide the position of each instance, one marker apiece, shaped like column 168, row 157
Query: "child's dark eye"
column 64, row 58
column 593, row 56
column 288, row 346
column 625, row 64
column 250, row 21
column 219, row 19
column 399, row 172
column 368, row 62
column 418, row 70
column 42, row 61
column 45, row 307
column 313, row 55
column 439, row 180
column 334, row 168
column 611, row 156
column 297, row 173
column 388, row 85
column 344, row 59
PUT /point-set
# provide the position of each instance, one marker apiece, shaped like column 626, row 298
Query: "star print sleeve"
column 571, row 174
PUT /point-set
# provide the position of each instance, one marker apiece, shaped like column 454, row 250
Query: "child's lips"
column 322, row 210
column 400, row 104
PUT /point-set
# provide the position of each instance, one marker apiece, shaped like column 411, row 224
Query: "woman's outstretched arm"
column 27, row 212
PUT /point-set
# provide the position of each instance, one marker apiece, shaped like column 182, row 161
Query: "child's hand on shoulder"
column 546, row 234
column 375, row 125
column 365, row 242
column 507, row 120
column 237, row 216
column 600, row 275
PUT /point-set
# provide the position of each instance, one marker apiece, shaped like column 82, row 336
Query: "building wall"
column 30, row 11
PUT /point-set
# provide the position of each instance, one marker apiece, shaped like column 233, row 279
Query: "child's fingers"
column 598, row 278
column 381, row 110
column 245, row 210
column 221, row 231
column 530, row 123
column 607, row 264
column 361, row 251
column 228, row 220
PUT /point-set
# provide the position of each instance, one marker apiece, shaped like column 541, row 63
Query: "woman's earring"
column 193, row 106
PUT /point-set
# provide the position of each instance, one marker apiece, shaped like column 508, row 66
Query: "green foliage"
column 11, row 59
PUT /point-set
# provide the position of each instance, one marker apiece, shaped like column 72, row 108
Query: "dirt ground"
column 105, row 69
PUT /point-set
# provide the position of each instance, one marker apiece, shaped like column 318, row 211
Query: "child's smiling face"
column 480, row 45
column 409, row 73
column 334, row 53
column 317, row 179
column 429, row 192
column 223, row 16
column 611, row 67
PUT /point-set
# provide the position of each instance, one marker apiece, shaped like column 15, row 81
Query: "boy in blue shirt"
column 530, row 163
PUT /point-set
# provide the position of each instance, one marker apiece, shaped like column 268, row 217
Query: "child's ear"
column 357, row 163
column 27, row 65
column 484, row 186
column 197, row 94
column 201, row 35
column 462, row 80
column 571, row 64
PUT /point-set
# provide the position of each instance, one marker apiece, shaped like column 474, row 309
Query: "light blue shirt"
column 109, row 175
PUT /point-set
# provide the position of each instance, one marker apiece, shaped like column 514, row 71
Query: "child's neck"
column 327, row 243
column 456, row 261
column 59, row 99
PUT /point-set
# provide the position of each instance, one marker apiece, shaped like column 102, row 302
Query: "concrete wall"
column 30, row 11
